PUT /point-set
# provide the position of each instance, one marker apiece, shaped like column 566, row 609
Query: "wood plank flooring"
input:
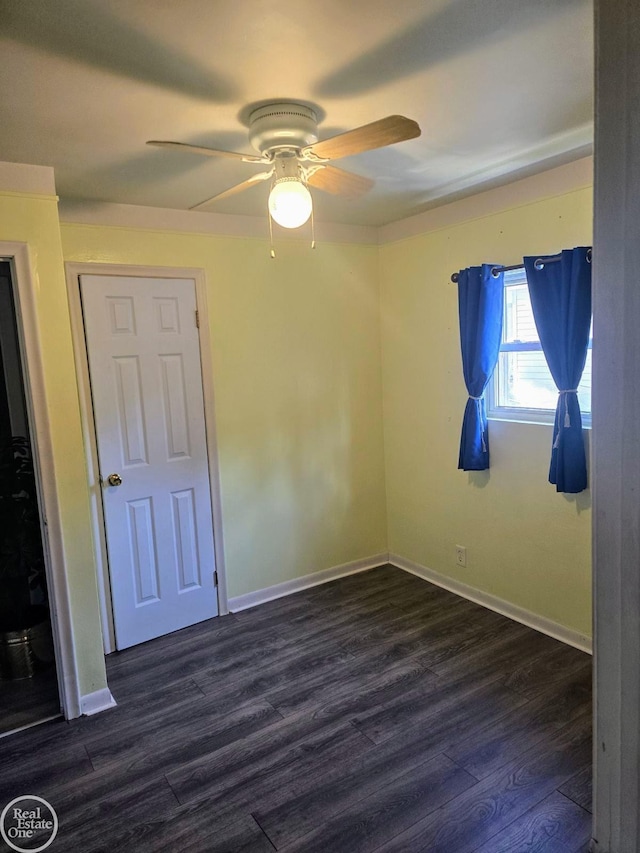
column 375, row 713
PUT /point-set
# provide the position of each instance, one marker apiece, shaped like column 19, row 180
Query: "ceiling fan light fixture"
column 290, row 202
column 285, row 134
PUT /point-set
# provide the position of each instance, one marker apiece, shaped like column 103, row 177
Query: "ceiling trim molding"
column 35, row 196
column 215, row 224
column 554, row 182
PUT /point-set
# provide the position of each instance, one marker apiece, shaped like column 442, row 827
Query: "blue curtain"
column 561, row 301
column 480, row 307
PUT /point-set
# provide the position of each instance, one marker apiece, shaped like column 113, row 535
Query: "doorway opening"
column 28, row 680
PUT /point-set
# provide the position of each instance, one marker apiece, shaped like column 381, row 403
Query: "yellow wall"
column 314, row 409
column 296, row 359
column 33, row 220
column 525, row 543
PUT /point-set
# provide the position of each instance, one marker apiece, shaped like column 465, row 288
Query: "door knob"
column 114, row 480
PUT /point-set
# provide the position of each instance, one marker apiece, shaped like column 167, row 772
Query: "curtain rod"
column 539, row 264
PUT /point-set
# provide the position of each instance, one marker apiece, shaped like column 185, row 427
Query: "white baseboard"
column 99, row 700
column 269, row 593
column 492, row 602
column 485, row 599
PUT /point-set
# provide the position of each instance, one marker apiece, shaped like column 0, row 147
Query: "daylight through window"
column 522, row 387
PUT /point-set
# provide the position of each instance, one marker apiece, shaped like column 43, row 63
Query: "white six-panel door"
column 146, row 385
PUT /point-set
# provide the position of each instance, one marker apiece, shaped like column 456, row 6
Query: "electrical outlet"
column 461, row 555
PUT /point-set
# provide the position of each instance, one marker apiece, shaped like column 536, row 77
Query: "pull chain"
column 272, row 250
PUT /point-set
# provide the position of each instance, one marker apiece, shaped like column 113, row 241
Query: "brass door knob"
column 114, row 480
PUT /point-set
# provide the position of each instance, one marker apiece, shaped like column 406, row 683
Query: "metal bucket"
column 23, row 653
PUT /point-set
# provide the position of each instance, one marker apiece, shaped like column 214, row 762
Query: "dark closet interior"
column 28, row 683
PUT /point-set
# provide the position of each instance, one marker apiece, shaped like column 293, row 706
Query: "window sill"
column 539, row 419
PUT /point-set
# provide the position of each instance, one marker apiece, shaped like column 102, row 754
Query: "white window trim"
column 517, row 414
column 521, row 415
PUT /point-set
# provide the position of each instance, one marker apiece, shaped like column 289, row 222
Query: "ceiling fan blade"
column 238, row 188
column 209, row 152
column 338, row 182
column 385, row 131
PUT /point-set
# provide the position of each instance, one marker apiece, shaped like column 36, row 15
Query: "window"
column 522, row 388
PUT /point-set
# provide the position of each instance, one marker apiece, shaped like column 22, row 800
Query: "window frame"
column 520, row 414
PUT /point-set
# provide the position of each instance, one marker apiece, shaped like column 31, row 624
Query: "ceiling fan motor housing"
column 282, row 124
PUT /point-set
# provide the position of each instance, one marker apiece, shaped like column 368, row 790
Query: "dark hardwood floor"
column 375, row 713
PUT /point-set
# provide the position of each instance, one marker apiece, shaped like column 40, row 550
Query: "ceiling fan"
column 286, row 136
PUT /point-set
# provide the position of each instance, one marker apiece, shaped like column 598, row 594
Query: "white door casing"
column 146, row 382
column 66, row 654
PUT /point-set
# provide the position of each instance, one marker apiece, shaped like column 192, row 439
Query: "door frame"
column 73, row 272
column 24, row 289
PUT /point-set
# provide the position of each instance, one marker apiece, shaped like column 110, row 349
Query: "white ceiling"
column 500, row 88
